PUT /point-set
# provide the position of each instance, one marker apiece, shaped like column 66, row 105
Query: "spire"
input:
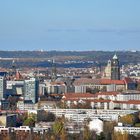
column 13, row 64
column 115, row 57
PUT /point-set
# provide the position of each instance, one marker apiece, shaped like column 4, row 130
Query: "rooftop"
column 98, row 81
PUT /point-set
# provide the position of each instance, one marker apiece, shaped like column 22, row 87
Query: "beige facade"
column 107, row 72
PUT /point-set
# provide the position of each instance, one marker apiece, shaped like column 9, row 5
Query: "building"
column 130, row 83
column 112, row 70
column 5, row 104
column 42, row 89
column 53, row 71
column 101, row 84
column 107, row 72
column 31, row 90
column 127, row 129
column 128, row 95
column 131, row 104
column 11, row 120
column 8, row 120
column 115, row 68
column 25, row 105
column 77, row 96
column 55, row 87
column 2, row 87
column 107, row 95
column 80, row 89
column 69, row 85
column 15, row 87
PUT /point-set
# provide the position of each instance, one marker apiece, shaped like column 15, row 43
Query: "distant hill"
column 39, row 58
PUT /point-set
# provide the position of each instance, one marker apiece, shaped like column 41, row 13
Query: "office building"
column 31, row 90
column 2, row 87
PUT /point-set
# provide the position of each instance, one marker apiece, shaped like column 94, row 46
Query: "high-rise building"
column 31, row 90
column 2, row 87
column 14, row 87
column 115, row 68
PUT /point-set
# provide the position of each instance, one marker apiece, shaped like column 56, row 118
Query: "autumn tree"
column 87, row 134
column 127, row 119
column 120, row 136
column 108, row 128
column 59, row 128
column 138, row 86
column 1, row 122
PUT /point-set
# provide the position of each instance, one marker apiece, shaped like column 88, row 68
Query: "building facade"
column 2, row 87
column 31, row 90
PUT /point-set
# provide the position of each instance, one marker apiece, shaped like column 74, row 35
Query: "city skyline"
column 70, row 25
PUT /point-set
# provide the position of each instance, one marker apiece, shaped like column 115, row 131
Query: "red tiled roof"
column 133, row 102
column 54, row 94
column 85, row 81
column 99, row 100
column 71, row 99
column 87, row 100
column 57, row 83
column 98, row 81
column 77, row 95
column 109, row 81
column 108, row 93
column 120, row 102
column 128, row 80
column 128, row 102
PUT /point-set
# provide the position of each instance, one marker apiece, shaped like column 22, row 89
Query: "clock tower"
column 115, row 68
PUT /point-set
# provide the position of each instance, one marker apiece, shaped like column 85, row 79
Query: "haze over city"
column 69, row 70
column 69, row 25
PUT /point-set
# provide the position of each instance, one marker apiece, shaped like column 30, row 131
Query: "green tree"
column 42, row 115
column 29, row 122
column 21, row 118
column 58, row 128
column 101, row 136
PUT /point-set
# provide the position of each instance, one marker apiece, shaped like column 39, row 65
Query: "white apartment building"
column 55, row 87
column 129, row 130
column 80, row 89
column 128, row 96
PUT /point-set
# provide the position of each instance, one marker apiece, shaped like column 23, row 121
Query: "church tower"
column 53, row 71
column 115, row 68
column 107, row 71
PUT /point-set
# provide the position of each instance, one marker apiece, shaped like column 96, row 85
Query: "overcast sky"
column 70, row 24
